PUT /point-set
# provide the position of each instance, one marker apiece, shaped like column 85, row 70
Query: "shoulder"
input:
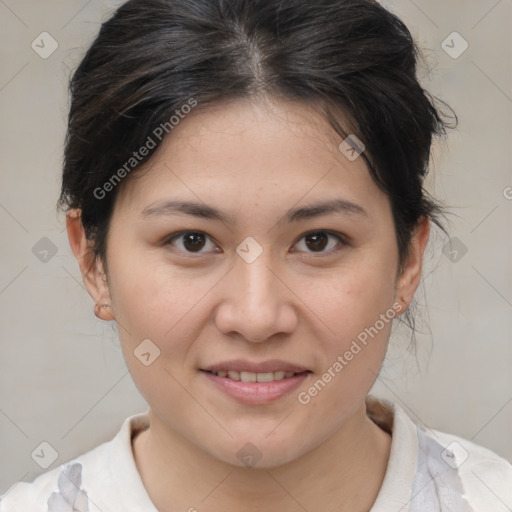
column 430, row 470
column 83, row 484
column 485, row 476
column 62, row 483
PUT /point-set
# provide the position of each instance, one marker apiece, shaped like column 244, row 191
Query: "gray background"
column 62, row 376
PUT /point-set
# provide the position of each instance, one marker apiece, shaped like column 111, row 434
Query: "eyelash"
column 341, row 240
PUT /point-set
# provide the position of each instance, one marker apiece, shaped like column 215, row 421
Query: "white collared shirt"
column 428, row 471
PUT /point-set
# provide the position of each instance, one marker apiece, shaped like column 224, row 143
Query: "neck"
column 179, row 476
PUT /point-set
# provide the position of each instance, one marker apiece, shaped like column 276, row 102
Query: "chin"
column 259, row 453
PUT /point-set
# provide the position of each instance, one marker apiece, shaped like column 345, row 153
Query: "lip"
column 241, row 365
column 256, row 393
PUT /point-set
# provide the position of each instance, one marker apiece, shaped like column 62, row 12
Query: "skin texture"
column 254, row 160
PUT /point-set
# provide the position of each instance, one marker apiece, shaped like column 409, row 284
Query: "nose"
column 256, row 301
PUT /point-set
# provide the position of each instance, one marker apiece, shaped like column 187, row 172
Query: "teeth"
column 255, row 377
column 248, row 376
column 265, row 377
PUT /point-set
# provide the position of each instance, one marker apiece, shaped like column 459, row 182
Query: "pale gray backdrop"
column 62, row 376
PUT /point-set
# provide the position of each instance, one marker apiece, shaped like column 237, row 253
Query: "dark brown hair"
column 352, row 59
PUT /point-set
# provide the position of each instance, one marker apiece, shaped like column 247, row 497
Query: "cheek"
column 155, row 298
column 354, row 296
column 352, row 357
column 159, row 303
column 356, row 304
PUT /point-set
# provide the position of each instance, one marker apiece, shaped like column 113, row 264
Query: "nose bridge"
column 257, row 281
column 257, row 291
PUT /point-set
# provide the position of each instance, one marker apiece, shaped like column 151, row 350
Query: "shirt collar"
column 395, row 492
column 394, row 495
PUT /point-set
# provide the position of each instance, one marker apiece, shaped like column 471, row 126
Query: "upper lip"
column 240, row 365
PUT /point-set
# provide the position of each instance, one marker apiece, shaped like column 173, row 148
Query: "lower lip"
column 256, row 393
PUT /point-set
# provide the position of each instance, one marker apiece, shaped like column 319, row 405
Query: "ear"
column 91, row 266
column 409, row 279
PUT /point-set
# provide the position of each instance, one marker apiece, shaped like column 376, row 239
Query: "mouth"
column 254, row 376
column 255, row 383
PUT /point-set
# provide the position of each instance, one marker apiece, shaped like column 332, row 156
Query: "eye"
column 317, row 241
column 190, row 241
column 195, row 241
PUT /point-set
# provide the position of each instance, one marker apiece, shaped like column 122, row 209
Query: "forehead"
column 265, row 152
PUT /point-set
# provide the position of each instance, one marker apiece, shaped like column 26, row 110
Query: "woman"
column 243, row 189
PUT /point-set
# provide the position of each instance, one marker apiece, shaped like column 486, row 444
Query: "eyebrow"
column 204, row 211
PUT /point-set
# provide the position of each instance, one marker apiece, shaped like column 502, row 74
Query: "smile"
column 255, row 383
column 253, row 376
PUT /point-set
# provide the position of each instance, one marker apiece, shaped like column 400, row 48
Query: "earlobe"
column 409, row 279
column 91, row 266
column 103, row 311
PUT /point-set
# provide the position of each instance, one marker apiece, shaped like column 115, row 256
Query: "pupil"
column 194, row 241
column 319, row 241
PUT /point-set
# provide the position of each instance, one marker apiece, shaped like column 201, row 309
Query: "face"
column 250, row 278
